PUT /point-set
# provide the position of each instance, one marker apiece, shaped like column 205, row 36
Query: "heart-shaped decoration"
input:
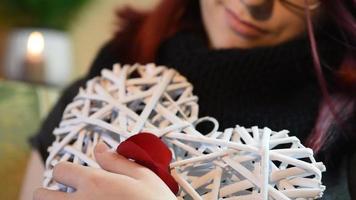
column 237, row 163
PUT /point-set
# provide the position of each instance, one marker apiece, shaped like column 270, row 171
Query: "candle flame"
column 35, row 43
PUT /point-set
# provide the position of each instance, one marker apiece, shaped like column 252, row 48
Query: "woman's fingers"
column 113, row 162
column 45, row 194
column 70, row 174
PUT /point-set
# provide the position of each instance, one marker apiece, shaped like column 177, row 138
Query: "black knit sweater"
column 271, row 86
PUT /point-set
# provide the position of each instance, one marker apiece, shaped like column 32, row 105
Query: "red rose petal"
column 154, row 147
column 148, row 150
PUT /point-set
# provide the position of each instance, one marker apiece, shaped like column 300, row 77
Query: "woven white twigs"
column 242, row 163
column 237, row 163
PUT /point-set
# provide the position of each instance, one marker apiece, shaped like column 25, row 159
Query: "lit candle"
column 34, row 58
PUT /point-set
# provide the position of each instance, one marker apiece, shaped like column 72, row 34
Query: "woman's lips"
column 241, row 27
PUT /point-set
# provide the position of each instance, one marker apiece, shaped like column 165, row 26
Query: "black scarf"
column 273, row 86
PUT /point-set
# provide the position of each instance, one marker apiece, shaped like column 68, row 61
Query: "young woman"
column 284, row 64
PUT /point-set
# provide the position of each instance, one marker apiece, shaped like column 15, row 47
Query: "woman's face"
column 254, row 23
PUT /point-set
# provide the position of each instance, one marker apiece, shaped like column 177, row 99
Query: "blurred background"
column 44, row 45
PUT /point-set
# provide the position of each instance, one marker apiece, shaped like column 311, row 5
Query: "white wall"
column 94, row 26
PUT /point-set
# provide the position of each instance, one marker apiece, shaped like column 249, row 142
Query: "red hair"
column 143, row 32
column 336, row 109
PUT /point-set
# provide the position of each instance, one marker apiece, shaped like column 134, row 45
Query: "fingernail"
column 101, row 147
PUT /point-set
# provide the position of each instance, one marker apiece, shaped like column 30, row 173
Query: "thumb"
column 111, row 161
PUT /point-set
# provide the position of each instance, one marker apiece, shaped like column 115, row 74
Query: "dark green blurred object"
column 56, row 14
column 22, row 107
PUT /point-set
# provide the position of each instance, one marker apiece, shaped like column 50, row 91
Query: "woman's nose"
column 254, row 2
column 259, row 9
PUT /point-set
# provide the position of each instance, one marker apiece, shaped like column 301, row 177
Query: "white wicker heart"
column 237, row 163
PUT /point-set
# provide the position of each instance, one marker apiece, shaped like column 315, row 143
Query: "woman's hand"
column 120, row 179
